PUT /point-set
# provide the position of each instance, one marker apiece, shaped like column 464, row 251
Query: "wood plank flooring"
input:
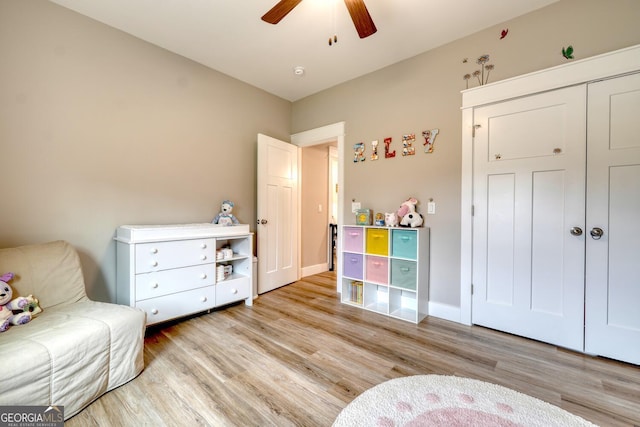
column 298, row 356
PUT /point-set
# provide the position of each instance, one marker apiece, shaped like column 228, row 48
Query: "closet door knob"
column 596, row 233
column 154, row 311
column 576, row 231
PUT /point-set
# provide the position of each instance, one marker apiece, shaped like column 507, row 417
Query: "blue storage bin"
column 404, row 244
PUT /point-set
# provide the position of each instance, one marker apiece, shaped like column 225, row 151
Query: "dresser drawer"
column 377, row 269
column 353, row 239
column 377, row 241
column 352, row 265
column 164, row 255
column 404, row 274
column 159, row 283
column 175, row 305
column 229, row 291
column 404, row 243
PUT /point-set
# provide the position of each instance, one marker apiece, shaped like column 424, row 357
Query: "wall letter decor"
column 387, row 153
column 407, row 144
column 430, row 139
column 358, row 152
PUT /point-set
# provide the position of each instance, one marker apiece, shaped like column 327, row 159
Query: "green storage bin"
column 404, row 274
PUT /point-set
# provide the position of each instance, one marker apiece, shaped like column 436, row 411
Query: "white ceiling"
column 229, row 36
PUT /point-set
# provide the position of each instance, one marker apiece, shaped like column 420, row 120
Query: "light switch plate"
column 431, row 208
column 355, row 206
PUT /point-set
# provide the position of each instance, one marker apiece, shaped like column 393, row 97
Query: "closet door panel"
column 547, row 245
column 624, row 252
column 613, row 205
column 529, row 190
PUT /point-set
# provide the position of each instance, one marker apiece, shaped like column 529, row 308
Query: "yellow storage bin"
column 377, row 241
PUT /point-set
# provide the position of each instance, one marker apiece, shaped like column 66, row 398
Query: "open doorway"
column 330, row 135
column 318, row 176
column 333, row 207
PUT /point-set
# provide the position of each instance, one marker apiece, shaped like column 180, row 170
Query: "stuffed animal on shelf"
column 17, row 311
column 225, row 217
column 407, row 211
column 390, row 219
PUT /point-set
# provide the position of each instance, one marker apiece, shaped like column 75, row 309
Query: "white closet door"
column 529, row 189
column 613, row 205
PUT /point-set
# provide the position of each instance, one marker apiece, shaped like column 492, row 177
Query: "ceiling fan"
column 357, row 9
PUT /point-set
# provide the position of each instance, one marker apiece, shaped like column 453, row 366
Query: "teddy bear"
column 17, row 311
column 407, row 211
column 225, row 217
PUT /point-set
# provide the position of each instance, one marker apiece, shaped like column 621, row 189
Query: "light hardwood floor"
column 298, row 356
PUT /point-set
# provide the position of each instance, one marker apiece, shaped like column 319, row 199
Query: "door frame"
column 317, row 136
column 606, row 65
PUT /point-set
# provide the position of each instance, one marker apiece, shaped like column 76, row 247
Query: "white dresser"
column 175, row 270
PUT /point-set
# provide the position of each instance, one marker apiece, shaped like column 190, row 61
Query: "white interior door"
column 529, row 193
column 277, row 228
column 613, row 205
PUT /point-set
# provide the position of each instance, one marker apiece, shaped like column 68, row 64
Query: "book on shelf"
column 356, row 292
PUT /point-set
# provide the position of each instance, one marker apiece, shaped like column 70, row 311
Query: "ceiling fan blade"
column 361, row 18
column 279, row 11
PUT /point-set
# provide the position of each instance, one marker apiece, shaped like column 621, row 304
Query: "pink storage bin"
column 377, row 270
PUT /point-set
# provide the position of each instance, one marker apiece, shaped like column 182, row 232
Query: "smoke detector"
column 298, row 71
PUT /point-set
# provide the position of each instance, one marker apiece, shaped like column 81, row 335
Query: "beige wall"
column 424, row 92
column 98, row 129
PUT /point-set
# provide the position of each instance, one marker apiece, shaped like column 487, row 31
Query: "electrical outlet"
column 355, row 206
column 431, row 208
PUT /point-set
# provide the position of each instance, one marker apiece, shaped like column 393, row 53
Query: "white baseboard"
column 444, row 311
column 314, row 269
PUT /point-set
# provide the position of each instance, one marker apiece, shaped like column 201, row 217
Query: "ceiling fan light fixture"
column 299, row 71
column 357, row 9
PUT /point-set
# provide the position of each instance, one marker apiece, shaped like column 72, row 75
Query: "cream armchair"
column 76, row 349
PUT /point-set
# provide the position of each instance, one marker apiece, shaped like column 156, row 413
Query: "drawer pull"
column 354, row 260
column 405, row 238
column 203, row 276
column 203, row 246
column 405, row 269
column 154, row 286
column 203, row 299
column 377, row 263
column 154, row 311
column 154, row 263
column 203, row 257
column 234, row 291
column 154, row 250
column 354, row 234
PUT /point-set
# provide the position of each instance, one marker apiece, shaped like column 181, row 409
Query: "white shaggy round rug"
column 437, row 400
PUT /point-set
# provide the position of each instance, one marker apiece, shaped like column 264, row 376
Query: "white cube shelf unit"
column 386, row 270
